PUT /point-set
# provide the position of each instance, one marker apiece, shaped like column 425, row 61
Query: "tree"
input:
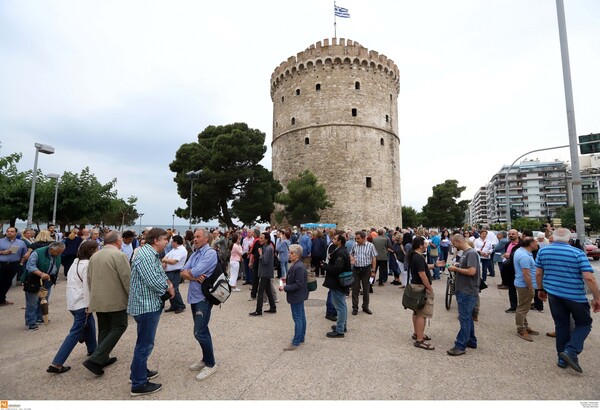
column 442, row 209
column 15, row 188
column 304, row 198
column 532, row 224
column 591, row 210
column 410, row 216
column 232, row 183
column 121, row 213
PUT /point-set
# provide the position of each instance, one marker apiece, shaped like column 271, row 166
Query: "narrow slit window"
column 306, row 141
column 318, row 87
column 282, row 99
column 354, row 112
column 293, row 120
column 382, row 142
column 387, row 118
column 369, row 182
column 357, row 85
column 297, row 91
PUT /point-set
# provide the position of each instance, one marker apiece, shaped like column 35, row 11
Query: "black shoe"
column 93, row 367
column 151, row 374
column 491, row 276
column 111, row 360
column 147, row 388
column 355, row 311
column 334, row 334
column 177, row 311
column 255, row 313
column 171, row 309
column 53, row 369
column 333, row 327
column 371, row 289
column 332, row 318
column 455, row 352
column 271, row 311
column 571, row 361
column 367, row 311
column 396, row 283
column 472, row 345
column 511, row 310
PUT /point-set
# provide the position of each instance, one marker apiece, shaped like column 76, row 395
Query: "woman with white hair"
column 296, row 293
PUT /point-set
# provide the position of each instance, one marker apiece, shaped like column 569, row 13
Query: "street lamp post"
column 44, row 149
column 141, row 222
column 57, row 177
column 173, row 224
column 192, row 175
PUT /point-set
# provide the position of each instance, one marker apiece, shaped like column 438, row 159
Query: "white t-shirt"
column 180, row 255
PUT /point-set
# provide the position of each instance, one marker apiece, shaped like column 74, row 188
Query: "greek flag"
column 341, row 12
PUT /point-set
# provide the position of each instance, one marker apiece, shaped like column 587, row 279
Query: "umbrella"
column 43, row 293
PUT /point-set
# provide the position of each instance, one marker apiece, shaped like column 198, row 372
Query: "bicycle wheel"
column 449, row 292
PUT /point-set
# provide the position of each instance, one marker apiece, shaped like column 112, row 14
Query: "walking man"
column 109, row 276
column 467, row 291
column 148, row 283
column 364, row 258
column 561, row 271
column 199, row 266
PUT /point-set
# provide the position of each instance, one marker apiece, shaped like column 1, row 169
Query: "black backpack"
column 216, row 288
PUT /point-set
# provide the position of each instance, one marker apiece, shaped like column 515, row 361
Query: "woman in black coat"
column 296, row 293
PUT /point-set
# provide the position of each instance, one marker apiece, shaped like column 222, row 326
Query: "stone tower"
column 335, row 113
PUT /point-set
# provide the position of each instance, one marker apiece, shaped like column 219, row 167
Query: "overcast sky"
column 119, row 85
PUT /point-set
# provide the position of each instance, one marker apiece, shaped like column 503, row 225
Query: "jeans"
column 487, row 265
column 74, row 334
column 436, row 270
column 33, row 308
column 329, row 304
column 201, row 314
column 147, row 323
column 339, row 302
column 444, row 255
column 111, row 326
column 247, row 269
column 299, row 323
column 284, row 268
column 361, row 277
column 568, row 341
column 466, row 334
column 175, row 278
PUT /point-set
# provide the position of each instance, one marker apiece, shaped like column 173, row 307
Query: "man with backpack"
column 200, row 266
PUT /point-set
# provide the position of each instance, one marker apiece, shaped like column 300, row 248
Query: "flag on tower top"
column 341, row 12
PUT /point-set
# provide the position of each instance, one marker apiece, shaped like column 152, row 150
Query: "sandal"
column 422, row 345
column 53, row 369
column 425, row 337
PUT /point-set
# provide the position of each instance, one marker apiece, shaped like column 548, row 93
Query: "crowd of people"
column 115, row 274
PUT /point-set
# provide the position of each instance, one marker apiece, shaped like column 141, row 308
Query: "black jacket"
column 339, row 262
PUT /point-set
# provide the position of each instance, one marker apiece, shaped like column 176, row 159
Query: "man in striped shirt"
column 148, row 283
column 561, row 271
column 364, row 259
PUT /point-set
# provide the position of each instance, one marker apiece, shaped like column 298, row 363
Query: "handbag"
column 434, row 253
column 32, row 283
column 414, row 297
column 346, row 279
column 311, row 282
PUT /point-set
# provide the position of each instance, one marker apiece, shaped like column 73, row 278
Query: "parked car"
column 591, row 250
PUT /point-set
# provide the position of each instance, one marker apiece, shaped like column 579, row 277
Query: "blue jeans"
column 562, row 309
column 284, row 268
column 299, row 323
column 175, row 278
column 201, row 314
column 339, row 302
column 466, row 307
column 247, row 269
column 147, row 323
column 436, row 270
column 33, row 309
column 73, row 337
column 486, row 265
column 330, row 310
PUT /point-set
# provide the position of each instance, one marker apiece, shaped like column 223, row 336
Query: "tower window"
column 306, row 141
column 354, row 112
column 387, row 118
column 357, row 85
column 382, row 142
column 318, row 87
column 297, row 91
column 293, row 120
column 369, row 182
column 282, row 99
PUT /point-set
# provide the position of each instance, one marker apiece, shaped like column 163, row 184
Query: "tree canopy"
column 232, row 183
column 410, row 216
column 442, row 208
column 591, row 210
column 304, row 198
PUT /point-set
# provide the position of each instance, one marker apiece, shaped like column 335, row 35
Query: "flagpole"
column 334, row 22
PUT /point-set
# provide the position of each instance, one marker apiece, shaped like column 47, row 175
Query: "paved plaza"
column 375, row 361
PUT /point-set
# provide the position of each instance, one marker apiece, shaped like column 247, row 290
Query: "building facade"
column 335, row 113
column 478, row 214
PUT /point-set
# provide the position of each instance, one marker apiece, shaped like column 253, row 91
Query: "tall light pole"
column 44, row 149
column 192, row 175
column 57, row 177
column 173, row 224
column 141, row 222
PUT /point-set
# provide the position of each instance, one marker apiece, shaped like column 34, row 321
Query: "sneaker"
column 147, row 388
column 334, row 334
column 152, row 374
column 236, row 290
column 197, row 366
column 32, row 327
column 206, row 373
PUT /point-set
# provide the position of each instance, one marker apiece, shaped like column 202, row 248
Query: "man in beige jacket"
column 108, row 279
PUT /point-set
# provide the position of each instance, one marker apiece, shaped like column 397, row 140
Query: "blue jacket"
column 306, row 244
column 296, row 283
